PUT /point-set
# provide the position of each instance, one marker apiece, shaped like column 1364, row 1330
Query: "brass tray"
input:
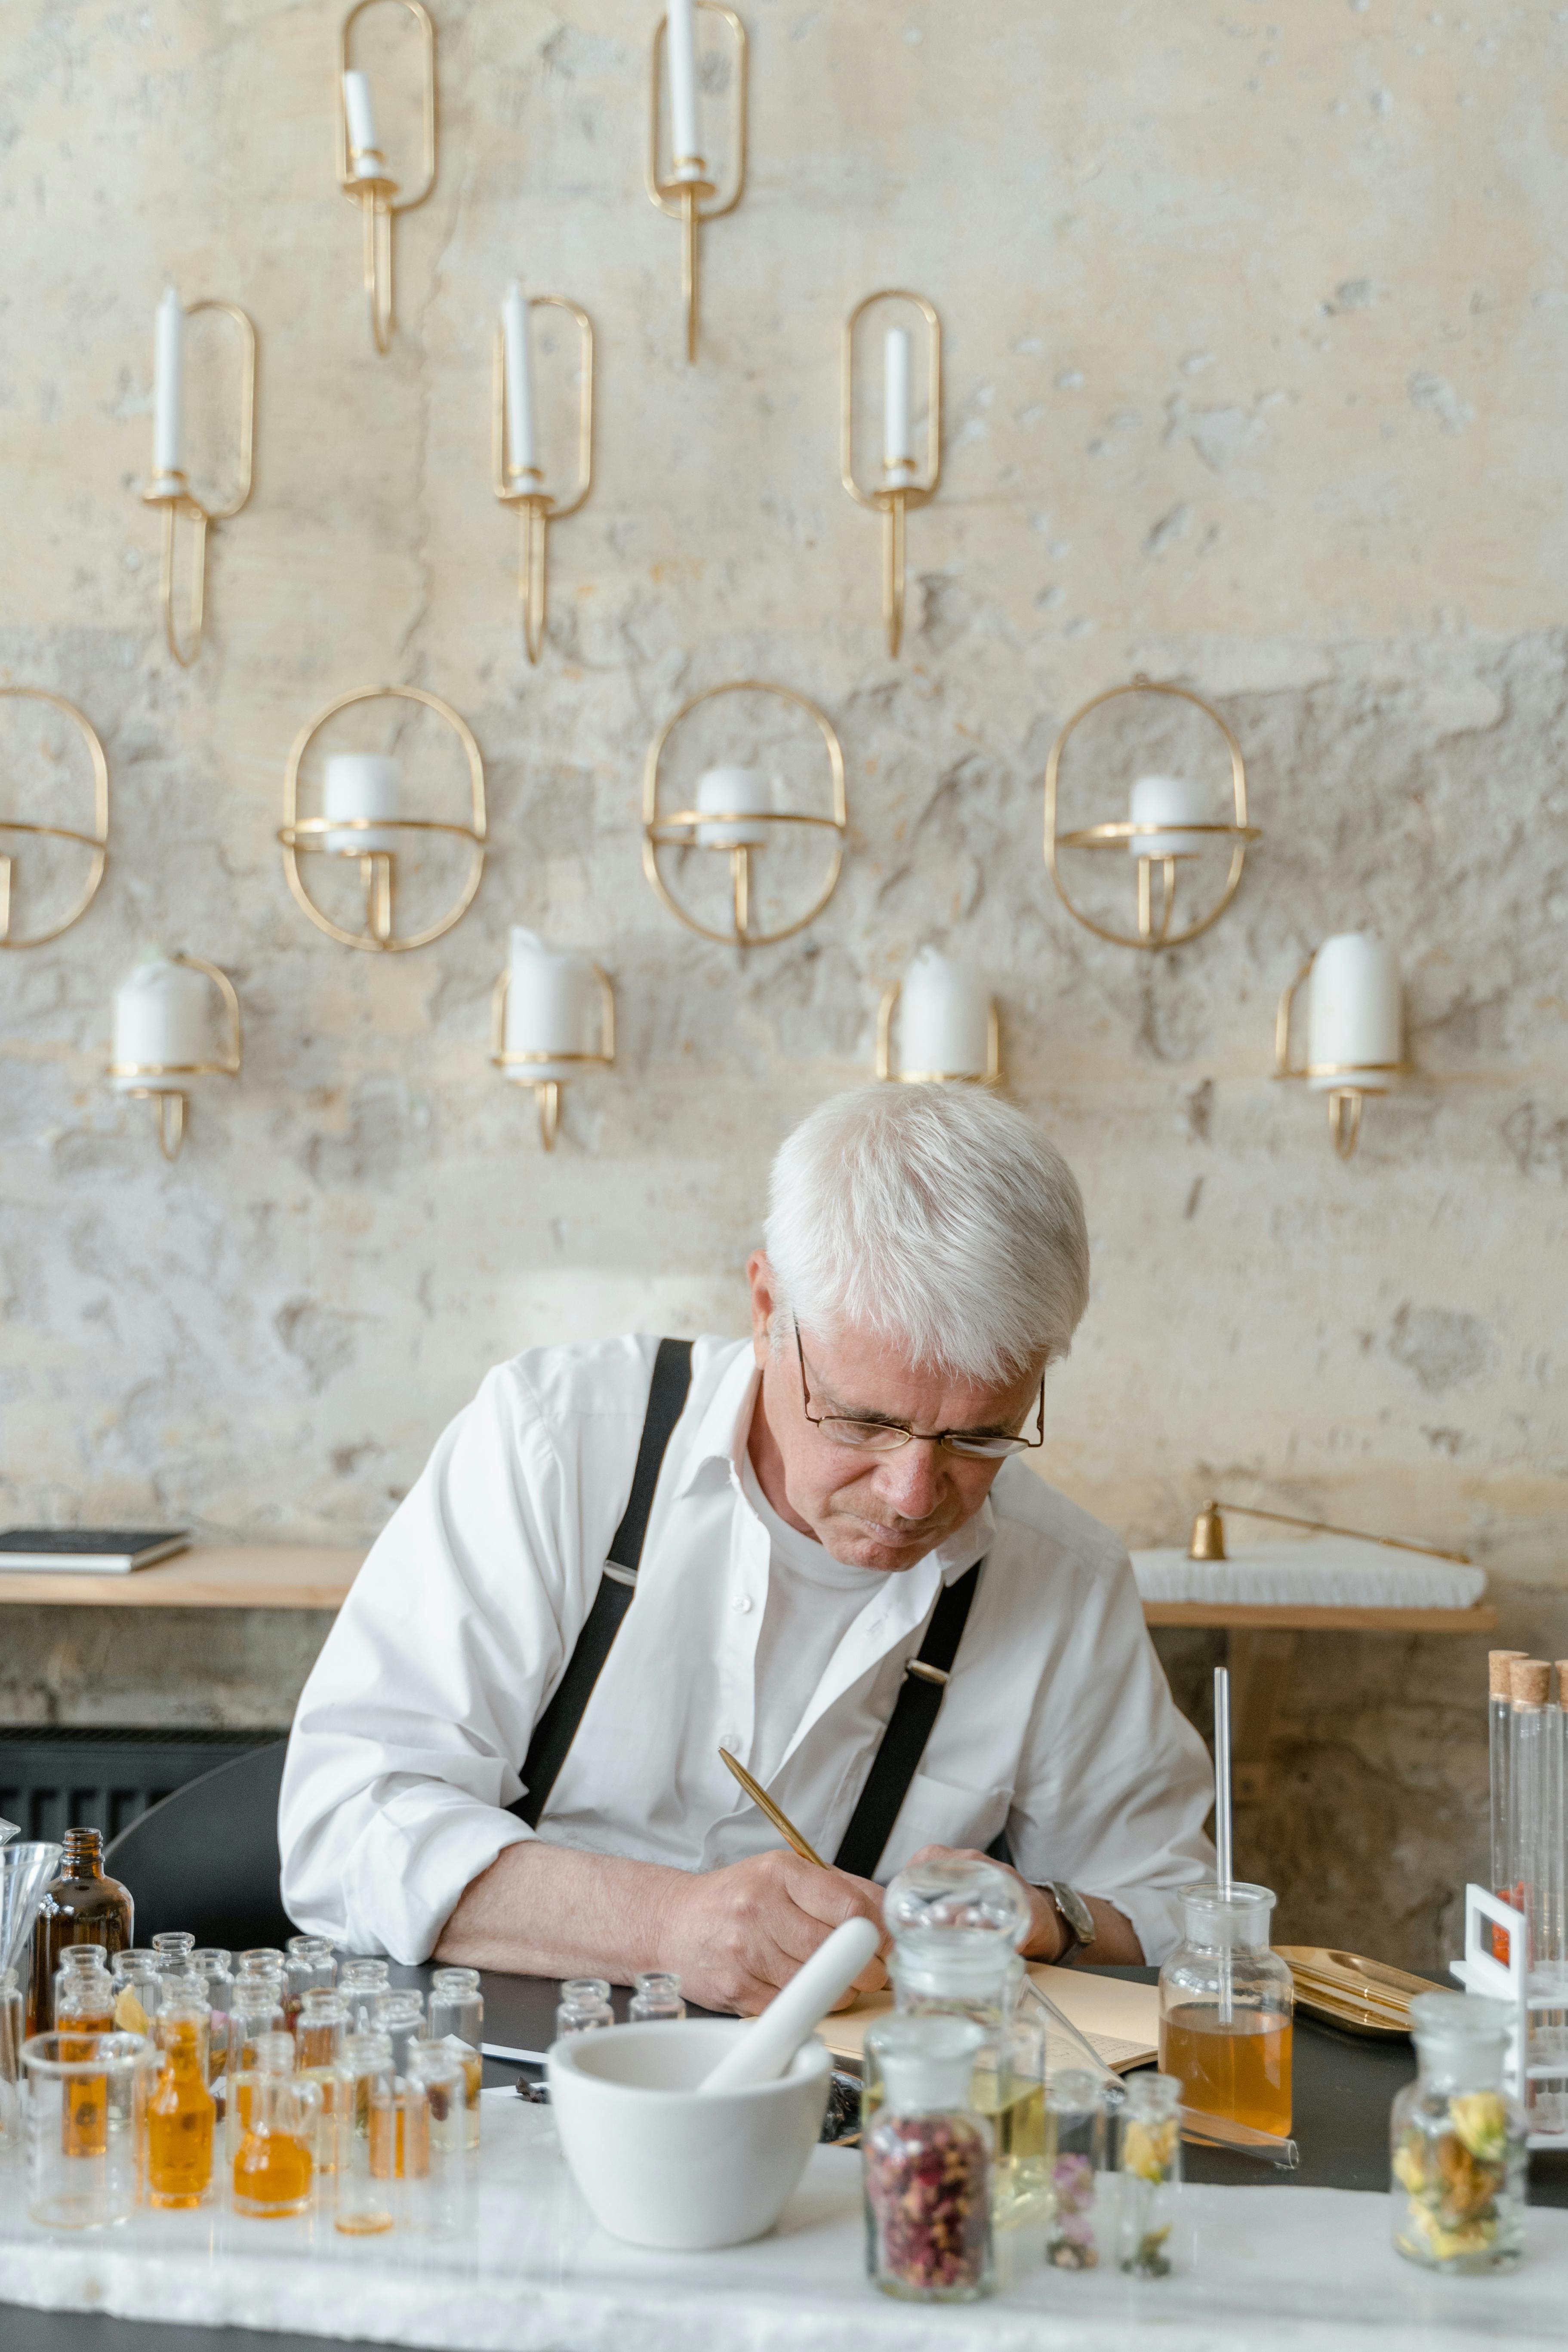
column 1359, row 1995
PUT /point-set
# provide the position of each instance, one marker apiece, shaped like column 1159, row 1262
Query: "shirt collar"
column 721, row 1438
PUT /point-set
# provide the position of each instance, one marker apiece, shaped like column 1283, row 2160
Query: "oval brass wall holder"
column 678, row 829
column 894, row 498
column 172, row 491
column 97, row 841
column 685, row 192
column 1152, row 934
column 371, row 186
column 162, row 1078
column 307, row 836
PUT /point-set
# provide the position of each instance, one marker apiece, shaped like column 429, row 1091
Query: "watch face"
column 1074, row 1910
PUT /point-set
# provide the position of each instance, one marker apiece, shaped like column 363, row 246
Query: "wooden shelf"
column 1291, row 1617
column 209, row 1576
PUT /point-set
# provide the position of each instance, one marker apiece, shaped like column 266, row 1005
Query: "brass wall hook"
column 903, row 488
column 686, row 191
column 96, row 841
column 363, row 175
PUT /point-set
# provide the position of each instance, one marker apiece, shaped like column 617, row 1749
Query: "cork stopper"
column 1529, row 1682
column 1498, row 1663
column 1562, row 1681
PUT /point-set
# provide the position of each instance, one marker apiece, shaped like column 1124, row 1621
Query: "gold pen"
column 764, row 1803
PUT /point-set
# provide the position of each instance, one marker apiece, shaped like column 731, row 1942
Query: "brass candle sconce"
column 722, row 826
column 96, row 841
column 361, row 168
column 169, row 487
column 951, row 1030
column 903, row 483
column 159, row 1021
column 364, row 819
column 1355, row 1031
column 577, row 995
column 691, row 191
column 518, row 479
column 1167, row 826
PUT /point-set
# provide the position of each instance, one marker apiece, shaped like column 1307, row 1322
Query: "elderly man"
column 816, row 1550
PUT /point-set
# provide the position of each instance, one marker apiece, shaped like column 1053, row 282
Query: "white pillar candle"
column 365, row 148
column 944, row 1019
column 520, row 453
column 1355, row 1010
column 735, row 792
column 161, row 1017
column 168, row 329
column 680, row 50
column 898, row 432
column 362, row 783
column 1174, row 800
column 553, row 1006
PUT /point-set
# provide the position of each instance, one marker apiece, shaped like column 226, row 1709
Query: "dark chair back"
column 206, row 1857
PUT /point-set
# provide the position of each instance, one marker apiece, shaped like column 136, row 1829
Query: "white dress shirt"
column 407, row 1744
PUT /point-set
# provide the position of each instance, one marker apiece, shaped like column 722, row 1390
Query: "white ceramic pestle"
column 764, row 2054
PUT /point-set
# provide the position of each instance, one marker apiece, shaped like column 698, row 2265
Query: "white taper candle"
column 361, row 114
column 169, row 328
column 520, row 452
column 680, row 44
column 898, row 446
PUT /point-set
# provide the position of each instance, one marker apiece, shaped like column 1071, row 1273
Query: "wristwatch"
column 1075, row 1916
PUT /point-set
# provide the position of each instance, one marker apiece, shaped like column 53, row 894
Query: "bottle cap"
column 1529, row 1682
column 1222, row 1922
column 1498, row 1663
column 925, row 2062
column 1448, row 2017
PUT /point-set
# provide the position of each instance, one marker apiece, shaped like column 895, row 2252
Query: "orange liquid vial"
column 1240, row 2069
column 271, row 2175
column 180, row 2118
column 84, row 2120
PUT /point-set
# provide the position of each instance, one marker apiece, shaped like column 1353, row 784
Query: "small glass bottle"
column 655, row 1994
column 319, row 2031
column 274, row 2163
column 138, row 1984
column 181, row 2113
column 260, row 1961
column 217, row 1966
column 433, row 2103
column 255, row 2008
column 1227, row 2003
column 1079, row 2228
column 84, row 2011
column 1149, row 2160
column 1459, row 2140
column 80, row 1906
column 12, row 2022
column 175, row 1948
column 926, row 2164
column 457, row 2016
column 312, row 1964
column 1009, row 2091
column 584, row 2007
column 956, row 1926
column 399, row 2015
column 359, row 1981
column 364, row 2193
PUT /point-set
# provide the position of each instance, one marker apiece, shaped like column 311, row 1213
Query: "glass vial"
column 312, row 1966
column 1149, row 2160
column 926, row 2161
column 319, row 2031
column 181, row 2112
column 274, row 2122
column 80, row 1906
column 138, row 1977
column 359, row 1981
column 215, row 1967
column 175, row 1948
column 1226, row 2006
column 655, row 1994
column 585, row 2006
column 364, row 2193
column 1080, row 2230
column 433, row 2100
column 1498, row 1717
column 84, row 2014
column 1458, row 2141
column 457, row 2017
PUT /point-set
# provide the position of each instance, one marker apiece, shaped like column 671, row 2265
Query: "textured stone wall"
column 1255, row 322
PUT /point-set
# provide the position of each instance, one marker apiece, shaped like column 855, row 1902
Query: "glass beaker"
column 181, row 2111
column 273, row 2123
column 926, row 2164
column 1149, row 2160
column 1081, row 2229
column 457, row 2015
column 87, row 2096
column 1225, row 2009
column 1458, row 2140
column 80, row 1906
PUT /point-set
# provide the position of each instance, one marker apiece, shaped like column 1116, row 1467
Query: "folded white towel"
column 1333, row 1572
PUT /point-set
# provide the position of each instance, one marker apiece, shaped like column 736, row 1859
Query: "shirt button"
column 743, row 1603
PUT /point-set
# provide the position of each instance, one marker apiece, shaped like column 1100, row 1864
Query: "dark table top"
column 1343, row 2087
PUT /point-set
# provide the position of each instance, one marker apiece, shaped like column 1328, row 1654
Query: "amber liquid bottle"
column 181, row 2112
column 84, row 2006
column 80, row 1906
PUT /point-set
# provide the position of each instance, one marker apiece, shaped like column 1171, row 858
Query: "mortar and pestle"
column 692, row 2134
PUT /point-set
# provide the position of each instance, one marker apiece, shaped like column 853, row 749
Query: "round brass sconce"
column 333, row 836
column 168, row 1083
column 1356, row 1030
column 96, row 841
column 546, row 1067
column 1158, row 829
column 949, row 1032
column 684, row 828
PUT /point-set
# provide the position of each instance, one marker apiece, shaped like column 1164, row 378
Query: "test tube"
column 584, row 2007
column 1500, row 1716
column 457, row 2016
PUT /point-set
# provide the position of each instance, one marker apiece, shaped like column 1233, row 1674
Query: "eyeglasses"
column 887, row 1436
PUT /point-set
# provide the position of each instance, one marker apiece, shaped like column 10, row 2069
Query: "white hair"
column 933, row 1216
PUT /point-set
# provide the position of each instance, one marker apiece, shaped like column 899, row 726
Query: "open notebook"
column 1122, row 2020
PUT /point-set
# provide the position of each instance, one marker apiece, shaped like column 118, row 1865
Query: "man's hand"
column 734, row 1936
column 1115, row 1939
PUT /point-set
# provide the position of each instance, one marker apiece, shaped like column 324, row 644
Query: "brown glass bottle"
column 80, row 1906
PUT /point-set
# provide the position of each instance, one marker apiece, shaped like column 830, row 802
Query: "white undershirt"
column 813, row 1600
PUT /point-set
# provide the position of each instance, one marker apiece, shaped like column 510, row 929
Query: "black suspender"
column 915, row 1711
column 910, row 1727
column 557, row 1726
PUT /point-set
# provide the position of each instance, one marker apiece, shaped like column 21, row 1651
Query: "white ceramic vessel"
column 662, row 2165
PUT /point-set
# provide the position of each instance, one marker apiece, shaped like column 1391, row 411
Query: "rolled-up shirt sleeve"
column 1114, row 1784
column 412, row 1728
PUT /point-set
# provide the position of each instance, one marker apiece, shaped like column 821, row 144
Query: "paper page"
column 1121, row 2019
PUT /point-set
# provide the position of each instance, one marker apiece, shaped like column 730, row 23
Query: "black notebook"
column 100, row 1551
